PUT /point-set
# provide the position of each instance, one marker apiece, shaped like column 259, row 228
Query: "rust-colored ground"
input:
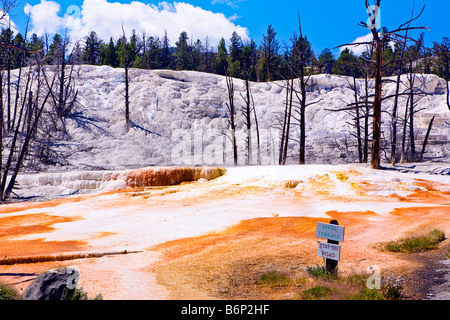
column 228, row 264
column 22, row 225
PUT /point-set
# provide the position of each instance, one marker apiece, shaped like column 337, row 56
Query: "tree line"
column 267, row 61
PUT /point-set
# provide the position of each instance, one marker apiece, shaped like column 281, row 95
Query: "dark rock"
column 55, row 284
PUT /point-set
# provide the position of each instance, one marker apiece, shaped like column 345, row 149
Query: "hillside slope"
column 180, row 118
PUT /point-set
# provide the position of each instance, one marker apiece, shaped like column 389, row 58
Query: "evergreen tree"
column 154, row 53
column 235, row 56
column 183, row 52
column 220, row 63
column 151, row 57
column 36, row 44
column 196, row 52
column 442, row 55
column 110, row 57
column 207, row 57
column 167, row 62
column 326, row 61
column 306, row 55
column 388, row 58
column 442, row 64
column 6, row 52
column 250, row 61
column 347, row 64
column 270, row 60
column 91, row 50
column 75, row 55
column 133, row 47
column 55, row 52
column 127, row 51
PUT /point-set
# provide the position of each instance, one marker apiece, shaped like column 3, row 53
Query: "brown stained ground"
column 32, row 224
column 228, row 264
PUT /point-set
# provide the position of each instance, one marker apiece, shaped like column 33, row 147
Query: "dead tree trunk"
column 376, row 136
column 289, row 102
column 357, row 122
column 232, row 111
column 25, row 126
column 425, row 142
column 126, row 65
column 8, row 87
column 448, row 94
column 412, row 142
column 379, row 39
column 283, row 132
column 258, row 138
column 405, row 125
column 247, row 111
column 396, row 98
column 303, row 59
column 366, row 121
column 127, row 99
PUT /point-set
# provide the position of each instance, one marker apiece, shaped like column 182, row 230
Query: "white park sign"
column 330, row 231
column 329, row 251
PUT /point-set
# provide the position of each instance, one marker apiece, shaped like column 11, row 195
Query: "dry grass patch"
column 260, row 259
column 8, row 293
column 415, row 243
column 238, row 269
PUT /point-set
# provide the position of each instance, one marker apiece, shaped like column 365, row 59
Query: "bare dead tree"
column 64, row 96
column 354, row 69
column 232, row 113
column 405, row 123
column 247, row 113
column 303, row 60
column 425, row 141
column 285, row 135
column 6, row 6
column 366, row 107
column 394, row 115
column 357, row 122
column 299, row 59
column 415, row 94
column 258, row 137
column 126, row 65
column 379, row 40
column 356, row 117
column 412, row 103
column 29, row 116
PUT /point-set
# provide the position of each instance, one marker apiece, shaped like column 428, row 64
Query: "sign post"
column 331, row 250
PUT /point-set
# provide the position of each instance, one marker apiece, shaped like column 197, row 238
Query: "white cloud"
column 106, row 19
column 231, row 3
column 360, row 49
column 6, row 22
column 44, row 17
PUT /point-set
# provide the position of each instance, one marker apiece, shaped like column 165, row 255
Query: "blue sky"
column 326, row 23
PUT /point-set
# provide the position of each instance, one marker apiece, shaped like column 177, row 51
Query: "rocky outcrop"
column 151, row 177
column 180, row 118
column 55, row 284
column 115, row 180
